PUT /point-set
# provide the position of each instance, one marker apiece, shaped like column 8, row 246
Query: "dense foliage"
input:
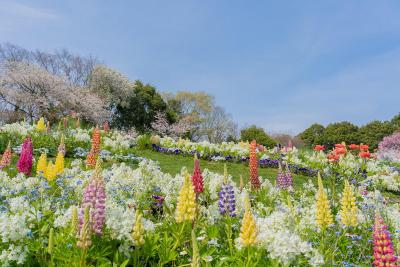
column 255, row 133
column 370, row 133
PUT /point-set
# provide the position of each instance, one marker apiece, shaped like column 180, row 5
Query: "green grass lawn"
column 173, row 163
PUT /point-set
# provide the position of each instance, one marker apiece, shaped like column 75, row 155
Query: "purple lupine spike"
column 94, row 196
column 281, row 179
column 24, row 163
column 289, row 178
column 227, row 200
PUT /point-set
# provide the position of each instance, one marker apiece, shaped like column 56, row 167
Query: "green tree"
column 313, row 135
column 340, row 132
column 373, row 132
column 396, row 122
column 255, row 133
column 142, row 105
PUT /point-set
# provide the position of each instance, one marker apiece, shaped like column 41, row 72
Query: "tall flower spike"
column 74, row 221
column 227, row 203
column 197, row 177
column 324, row 216
column 248, row 230
column 186, row 206
column 196, row 253
column 61, row 146
column 349, row 211
column 24, row 163
column 91, row 159
column 6, row 158
column 384, row 254
column 59, row 163
column 41, row 126
column 94, row 195
column 41, row 164
column 288, row 178
column 96, row 140
column 51, row 172
column 85, row 240
column 138, row 230
column 254, row 180
column 106, row 126
column 280, row 178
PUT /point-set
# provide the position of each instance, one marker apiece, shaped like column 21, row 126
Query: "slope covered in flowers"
column 107, row 211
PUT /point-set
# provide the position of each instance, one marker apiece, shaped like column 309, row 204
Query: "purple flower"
column 94, row 196
column 227, row 200
column 284, row 180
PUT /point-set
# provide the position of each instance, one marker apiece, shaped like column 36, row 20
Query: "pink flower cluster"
column 24, row 163
column 389, row 147
column 383, row 246
column 94, row 196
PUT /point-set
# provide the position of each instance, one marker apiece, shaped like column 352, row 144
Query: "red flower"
column 364, row 154
column 253, row 164
column 333, row 157
column 340, row 150
column 319, row 148
column 197, row 178
column 364, row 147
column 354, row 147
column 340, row 146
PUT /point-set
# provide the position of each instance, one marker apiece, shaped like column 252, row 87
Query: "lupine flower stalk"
column 289, row 178
column 280, row 178
column 41, row 164
column 253, row 163
column 349, row 211
column 85, row 240
column 51, row 171
column 94, row 196
column 324, row 216
column 197, row 177
column 248, row 230
column 186, row 207
column 24, row 163
column 41, row 126
column 6, row 157
column 96, row 140
column 74, row 221
column 61, row 146
column 91, row 159
column 384, row 254
column 138, row 230
column 196, row 253
column 59, row 163
column 227, row 203
column 50, row 247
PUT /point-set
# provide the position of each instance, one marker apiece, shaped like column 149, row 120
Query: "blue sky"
column 282, row 65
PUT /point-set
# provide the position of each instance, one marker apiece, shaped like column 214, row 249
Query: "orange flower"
column 354, row 147
column 333, row 157
column 364, row 147
column 96, row 140
column 255, row 181
column 319, row 148
column 340, row 150
column 340, row 146
column 364, row 154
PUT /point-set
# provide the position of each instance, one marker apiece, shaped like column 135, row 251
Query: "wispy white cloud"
column 16, row 16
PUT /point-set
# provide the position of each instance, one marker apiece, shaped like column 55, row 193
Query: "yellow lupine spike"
column 59, row 163
column 41, row 164
column 186, row 206
column 349, row 210
column 50, row 173
column 41, row 126
column 248, row 230
column 138, row 230
column 324, row 216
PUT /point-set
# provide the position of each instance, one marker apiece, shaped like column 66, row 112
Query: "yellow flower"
column 248, row 230
column 41, row 164
column 324, row 215
column 50, row 173
column 41, row 126
column 59, row 163
column 348, row 213
column 186, row 207
column 138, row 230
